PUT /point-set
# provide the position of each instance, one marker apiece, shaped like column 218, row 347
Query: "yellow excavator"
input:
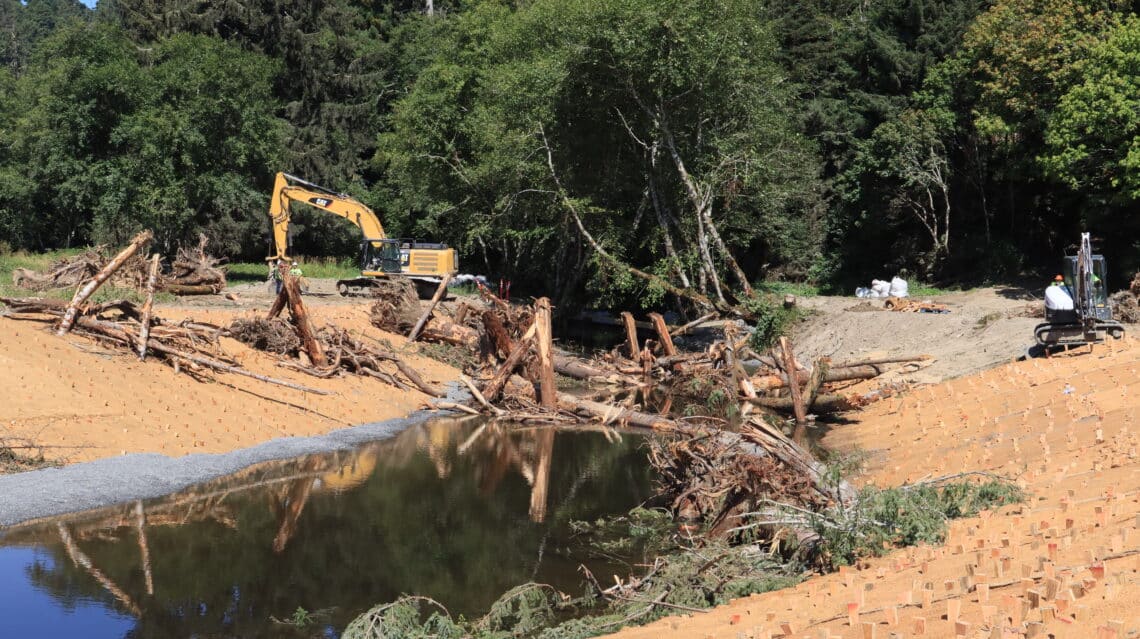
column 381, row 258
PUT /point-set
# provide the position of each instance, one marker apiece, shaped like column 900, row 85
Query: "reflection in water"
column 459, row 510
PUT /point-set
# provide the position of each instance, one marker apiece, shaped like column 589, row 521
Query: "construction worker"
column 1057, row 296
column 275, row 275
column 295, row 271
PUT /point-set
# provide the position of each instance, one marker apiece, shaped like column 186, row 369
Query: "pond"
column 457, row 510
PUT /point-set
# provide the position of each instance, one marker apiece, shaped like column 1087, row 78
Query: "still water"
column 456, row 510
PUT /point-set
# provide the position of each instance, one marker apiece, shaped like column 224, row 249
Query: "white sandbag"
column 881, row 288
column 898, row 287
column 862, row 292
column 1057, row 298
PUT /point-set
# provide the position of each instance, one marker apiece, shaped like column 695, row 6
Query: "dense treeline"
column 709, row 144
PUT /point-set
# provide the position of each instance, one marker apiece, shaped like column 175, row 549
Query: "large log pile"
column 193, row 272
column 516, row 354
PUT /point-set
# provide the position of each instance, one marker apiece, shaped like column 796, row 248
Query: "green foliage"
column 1094, row 134
column 41, row 262
column 884, row 519
column 772, row 320
column 685, row 577
column 610, row 89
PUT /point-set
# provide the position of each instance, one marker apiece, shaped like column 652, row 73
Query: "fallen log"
column 609, row 413
column 833, row 374
column 441, row 329
column 411, row 374
column 107, row 271
column 578, row 369
column 494, row 388
column 899, row 359
column 824, row 404
column 681, row 330
column 192, row 289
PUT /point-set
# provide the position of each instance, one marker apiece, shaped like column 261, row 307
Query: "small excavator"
column 1079, row 312
column 382, row 259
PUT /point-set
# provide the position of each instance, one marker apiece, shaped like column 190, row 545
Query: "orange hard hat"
column 1059, row 278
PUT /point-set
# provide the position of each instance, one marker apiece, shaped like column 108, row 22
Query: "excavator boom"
column 290, row 188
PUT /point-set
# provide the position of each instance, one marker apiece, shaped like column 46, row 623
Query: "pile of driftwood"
column 327, row 352
column 193, row 272
column 517, row 360
column 715, row 472
column 194, row 346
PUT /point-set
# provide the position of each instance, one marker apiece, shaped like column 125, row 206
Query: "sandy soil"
column 1065, row 564
column 83, row 401
column 983, row 327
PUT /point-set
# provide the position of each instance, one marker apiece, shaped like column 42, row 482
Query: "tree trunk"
column 439, row 293
column 301, row 318
column 793, row 384
column 144, row 322
column 663, row 334
column 107, row 271
column 547, row 390
column 630, row 334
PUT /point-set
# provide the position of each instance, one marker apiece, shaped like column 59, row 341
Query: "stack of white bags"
column 897, row 287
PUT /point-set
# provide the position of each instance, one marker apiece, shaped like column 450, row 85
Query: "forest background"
column 713, row 144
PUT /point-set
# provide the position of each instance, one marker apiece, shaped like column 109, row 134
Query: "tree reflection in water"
column 456, row 509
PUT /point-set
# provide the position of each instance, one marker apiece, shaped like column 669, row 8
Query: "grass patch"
column 799, row 289
column 918, row 289
column 772, row 320
column 323, row 268
column 455, row 356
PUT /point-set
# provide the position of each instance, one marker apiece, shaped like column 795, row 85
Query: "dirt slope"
column 1065, row 564
column 85, row 402
column 983, row 327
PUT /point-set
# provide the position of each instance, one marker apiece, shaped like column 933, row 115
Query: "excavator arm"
column 289, row 188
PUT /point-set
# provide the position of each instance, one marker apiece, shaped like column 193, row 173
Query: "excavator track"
column 1051, row 337
column 378, row 287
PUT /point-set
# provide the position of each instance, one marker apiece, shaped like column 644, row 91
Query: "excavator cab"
column 380, row 256
column 1099, row 308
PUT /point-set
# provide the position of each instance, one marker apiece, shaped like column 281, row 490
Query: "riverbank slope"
column 1066, row 563
column 81, row 401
